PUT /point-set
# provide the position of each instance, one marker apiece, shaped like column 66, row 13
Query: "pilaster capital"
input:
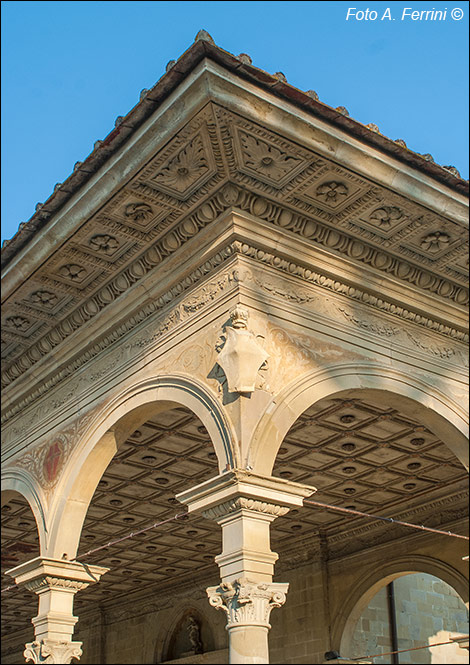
column 246, row 602
column 43, row 574
column 52, row 651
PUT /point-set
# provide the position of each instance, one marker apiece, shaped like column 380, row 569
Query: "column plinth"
column 244, row 504
column 55, row 582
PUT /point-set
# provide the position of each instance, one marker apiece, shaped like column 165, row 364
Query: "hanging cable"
column 389, row 653
column 113, row 542
column 350, row 511
column 306, row 502
column 130, row 535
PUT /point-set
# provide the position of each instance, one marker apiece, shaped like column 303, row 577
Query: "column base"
column 52, row 651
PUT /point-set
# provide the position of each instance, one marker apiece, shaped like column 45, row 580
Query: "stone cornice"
column 45, row 571
column 262, row 208
column 153, row 99
column 183, row 309
column 264, row 494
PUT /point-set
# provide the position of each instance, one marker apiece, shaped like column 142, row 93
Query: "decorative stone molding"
column 246, row 504
column 45, row 572
column 241, row 356
column 192, row 305
column 48, row 582
column 246, row 602
column 190, row 226
column 238, row 487
column 52, row 651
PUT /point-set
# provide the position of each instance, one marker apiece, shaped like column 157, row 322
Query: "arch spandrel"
column 420, row 400
column 110, row 427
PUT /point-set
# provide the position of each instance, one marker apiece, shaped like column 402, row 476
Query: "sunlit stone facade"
column 243, row 300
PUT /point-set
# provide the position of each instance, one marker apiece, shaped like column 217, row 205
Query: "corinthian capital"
column 246, row 602
column 51, row 651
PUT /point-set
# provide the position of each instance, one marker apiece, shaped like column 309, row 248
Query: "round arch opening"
column 109, row 431
column 20, row 543
column 419, row 402
column 408, row 611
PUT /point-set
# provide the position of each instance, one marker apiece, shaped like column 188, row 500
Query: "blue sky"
column 70, row 68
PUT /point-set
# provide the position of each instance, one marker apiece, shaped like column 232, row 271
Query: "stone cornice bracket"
column 242, row 355
column 246, row 602
column 52, row 651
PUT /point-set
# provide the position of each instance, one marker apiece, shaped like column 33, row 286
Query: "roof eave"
column 149, row 101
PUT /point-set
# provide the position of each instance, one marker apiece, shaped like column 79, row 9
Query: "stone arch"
column 381, row 575
column 19, row 481
column 165, row 645
column 442, row 415
column 120, row 417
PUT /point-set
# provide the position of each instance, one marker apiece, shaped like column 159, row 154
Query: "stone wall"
column 427, row 611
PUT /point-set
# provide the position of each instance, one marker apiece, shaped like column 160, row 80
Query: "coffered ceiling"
column 359, row 454
column 184, row 188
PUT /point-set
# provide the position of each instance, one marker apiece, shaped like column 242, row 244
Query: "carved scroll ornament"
column 52, row 651
column 246, row 602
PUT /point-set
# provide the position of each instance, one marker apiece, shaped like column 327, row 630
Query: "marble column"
column 244, row 504
column 55, row 582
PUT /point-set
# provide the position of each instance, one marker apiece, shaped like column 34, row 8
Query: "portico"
column 243, row 298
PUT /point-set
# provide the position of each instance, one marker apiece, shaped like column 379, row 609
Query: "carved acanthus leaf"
column 246, row 602
column 47, row 582
column 52, row 651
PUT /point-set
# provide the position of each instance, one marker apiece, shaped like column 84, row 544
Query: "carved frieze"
column 205, row 295
column 178, row 235
column 244, row 503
